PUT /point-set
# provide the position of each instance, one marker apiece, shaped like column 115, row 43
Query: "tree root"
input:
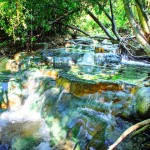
column 128, row 131
column 122, row 44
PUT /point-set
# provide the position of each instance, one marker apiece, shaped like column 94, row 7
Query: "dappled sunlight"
column 74, row 75
column 56, row 129
column 71, row 98
column 81, row 89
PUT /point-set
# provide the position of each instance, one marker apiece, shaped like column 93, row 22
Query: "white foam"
column 43, row 146
column 125, row 61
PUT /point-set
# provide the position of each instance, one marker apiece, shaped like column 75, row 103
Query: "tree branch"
column 143, row 12
column 128, row 131
column 108, row 16
column 111, row 18
column 113, row 22
column 102, row 8
column 143, row 19
column 145, row 58
column 65, row 15
column 146, row 127
column 100, row 37
column 139, row 35
column 74, row 28
column 101, row 25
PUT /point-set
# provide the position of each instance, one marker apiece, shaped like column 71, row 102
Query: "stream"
column 79, row 97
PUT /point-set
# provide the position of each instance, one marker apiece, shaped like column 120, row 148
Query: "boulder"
column 99, row 59
column 142, row 100
column 106, row 42
column 12, row 66
column 87, row 59
column 83, row 47
column 98, row 49
column 62, row 61
column 80, row 88
column 15, row 101
column 107, row 59
column 3, row 62
column 110, row 48
column 83, row 40
column 50, row 73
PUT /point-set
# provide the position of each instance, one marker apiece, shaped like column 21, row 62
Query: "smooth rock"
column 88, row 59
column 142, row 100
column 106, row 42
column 107, row 59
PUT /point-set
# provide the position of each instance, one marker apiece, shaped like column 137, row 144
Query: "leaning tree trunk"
column 144, row 19
column 135, row 27
column 101, row 25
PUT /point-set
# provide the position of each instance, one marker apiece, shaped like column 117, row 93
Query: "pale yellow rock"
column 12, row 66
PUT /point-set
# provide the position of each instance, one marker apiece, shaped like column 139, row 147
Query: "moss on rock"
column 143, row 101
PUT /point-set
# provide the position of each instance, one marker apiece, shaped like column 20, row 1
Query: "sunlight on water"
column 125, row 61
column 47, row 108
column 43, row 146
column 99, row 115
column 25, row 114
column 61, row 94
column 19, row 116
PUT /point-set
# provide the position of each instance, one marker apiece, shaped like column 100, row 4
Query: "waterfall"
column 61, row 94
column 25, row 115
column 91, row 115
column 131, row 62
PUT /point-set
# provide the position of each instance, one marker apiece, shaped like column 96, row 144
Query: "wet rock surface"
column 84, row 99
column 142, row 102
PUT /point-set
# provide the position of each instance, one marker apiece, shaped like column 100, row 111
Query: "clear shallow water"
column 138, row 63
column 130, row 73
column 49, row 114
column 133, row 73
column 50, row 117
column 22, row 127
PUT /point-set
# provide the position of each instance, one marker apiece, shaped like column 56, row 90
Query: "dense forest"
column 120, row 21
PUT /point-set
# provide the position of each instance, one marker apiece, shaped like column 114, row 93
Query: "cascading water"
column 131, row 62
column 84, row 106
column 60, row 96
column 25, row 118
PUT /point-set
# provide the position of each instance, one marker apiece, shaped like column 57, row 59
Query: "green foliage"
column 98, row 8
column 25, row 21
column 12, row 18
column 3, row 62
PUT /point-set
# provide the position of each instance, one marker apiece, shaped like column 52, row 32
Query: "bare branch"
column 108, row 16
column 100, row 37
column 128, row 131
column 111, row 18
column 147, row 127
column 100, row 25
column 143, row 12
column 75, row 28
column 113, row 22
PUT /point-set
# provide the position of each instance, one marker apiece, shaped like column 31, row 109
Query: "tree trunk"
column 135, row 27
column 101, row 25
column 143, row 18
column 114, row 29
